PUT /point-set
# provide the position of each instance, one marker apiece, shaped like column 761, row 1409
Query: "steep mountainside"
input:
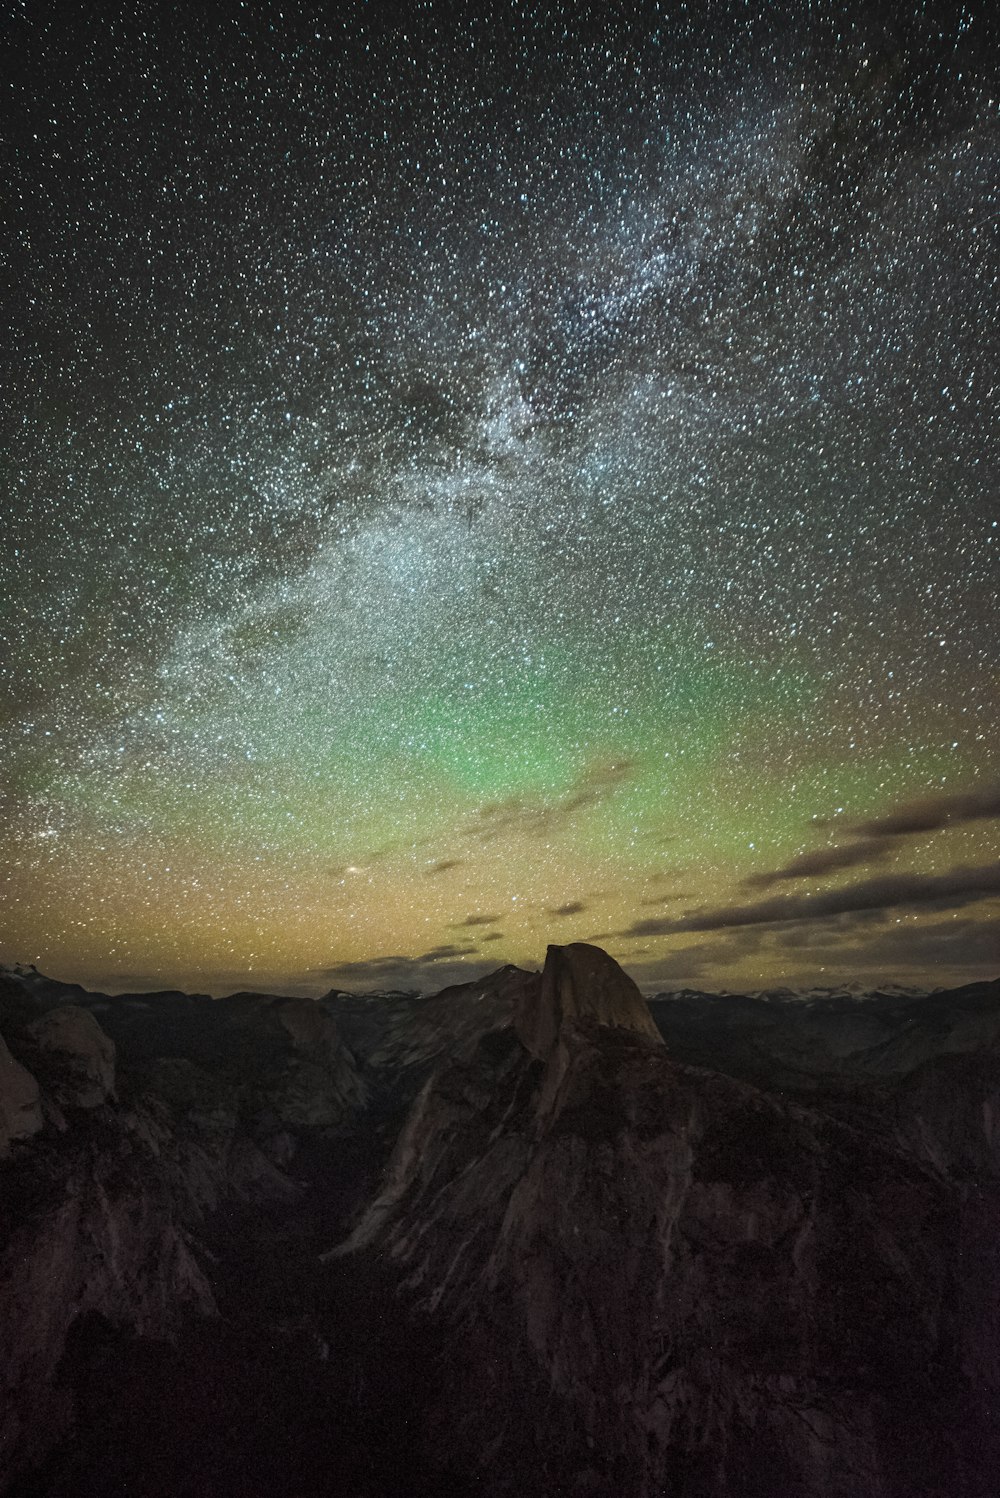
column 529, row 1236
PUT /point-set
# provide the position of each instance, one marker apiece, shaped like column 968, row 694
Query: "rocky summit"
column 579, row 983
column 528, row 1236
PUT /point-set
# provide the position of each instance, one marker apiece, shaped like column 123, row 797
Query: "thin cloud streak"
column 932, row 813
column 538, row 816
column 821, row 861
column 959, row 886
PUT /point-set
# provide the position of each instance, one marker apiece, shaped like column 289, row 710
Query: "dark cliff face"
column 119, row 1161
column 661, row 1279
column 518, row 1238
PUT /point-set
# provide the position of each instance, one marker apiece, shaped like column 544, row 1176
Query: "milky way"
column 475, row 480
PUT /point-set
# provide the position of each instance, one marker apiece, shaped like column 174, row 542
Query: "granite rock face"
column 90, row 1229
column 580, row 983
column 74, row 1050
column 662, row 1280
column 109, row 1195
column 528, row 1236
column 20, row 1105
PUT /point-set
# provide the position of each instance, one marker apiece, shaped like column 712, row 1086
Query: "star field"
column 476, row 479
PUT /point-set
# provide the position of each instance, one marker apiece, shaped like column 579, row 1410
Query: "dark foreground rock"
column 504, row 1240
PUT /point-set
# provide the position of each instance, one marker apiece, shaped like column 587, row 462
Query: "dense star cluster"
column 474, row 474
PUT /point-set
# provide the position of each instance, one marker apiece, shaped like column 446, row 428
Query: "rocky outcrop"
column 20, row 1104
column 297, row 1076
column 111, row 1200
column 90, row 1228
column 659, row 1279
column 580, row 983
column 76, row 1054
column 401, row 1039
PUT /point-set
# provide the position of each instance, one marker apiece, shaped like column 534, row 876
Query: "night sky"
column 476, row 477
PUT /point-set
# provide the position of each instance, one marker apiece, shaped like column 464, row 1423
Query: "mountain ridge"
column 528, row 1234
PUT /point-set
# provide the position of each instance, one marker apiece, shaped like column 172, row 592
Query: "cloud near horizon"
column 864, row 943
column 959, row 886
column 439, row 968
column 873, row 837
column 932, row 813
column 443, row 953
column 822, row 861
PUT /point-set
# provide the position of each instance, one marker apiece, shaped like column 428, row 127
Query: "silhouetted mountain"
column 526, row 1236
